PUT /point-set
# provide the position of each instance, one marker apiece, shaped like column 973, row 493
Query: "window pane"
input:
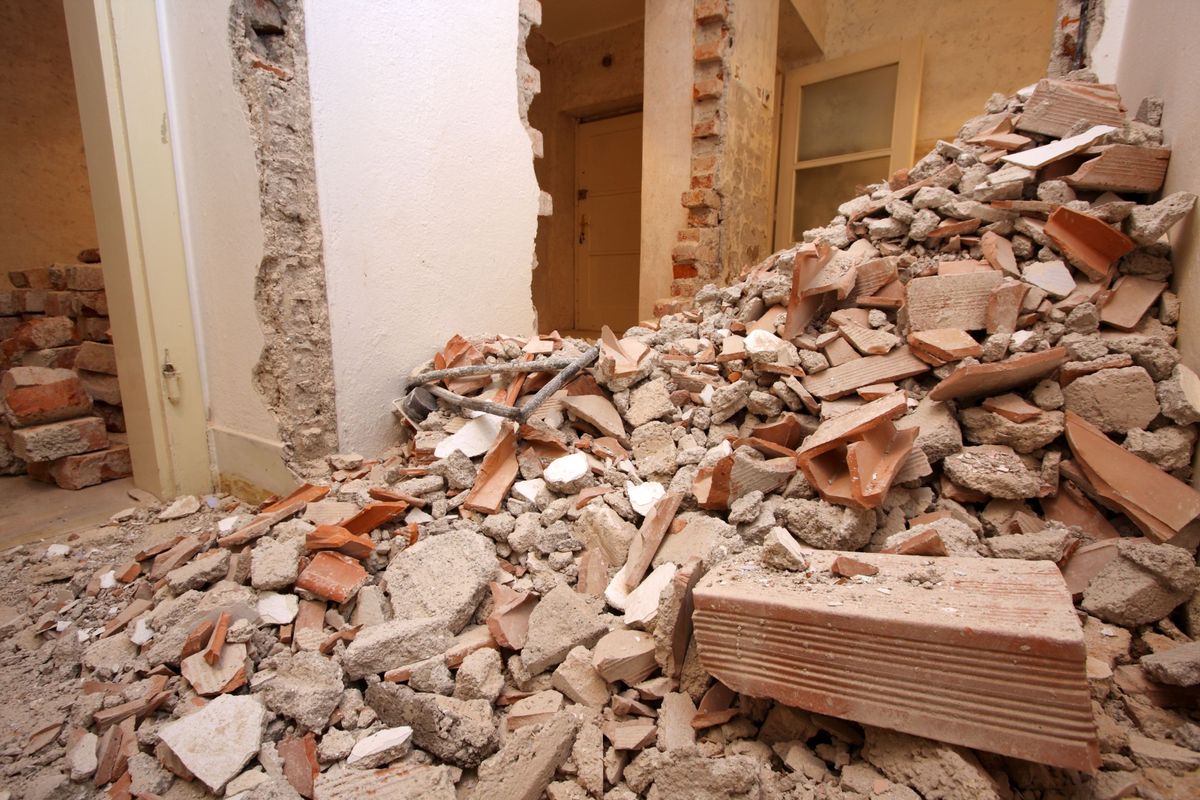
column 848, row 114
column 820, row 190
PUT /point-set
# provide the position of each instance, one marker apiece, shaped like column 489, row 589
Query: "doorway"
column 608, row 189
column 590, row 59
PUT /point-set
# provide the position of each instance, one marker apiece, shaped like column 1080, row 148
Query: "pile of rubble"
column 58, row 377
column 818, row 538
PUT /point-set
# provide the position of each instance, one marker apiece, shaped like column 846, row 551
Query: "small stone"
column 1142, row 585
column 1147, row 223
column 278, row 609
column 381, row 748
column 274, row 563
column 568, row 474
column 576, row 678
column 182, row 507
column 210, row 567
column 480, row 676
column 1179, row 666
column 648, row 402
column 825, row 526
column 781, row 551
column 644, row 496
column 81, row 757
column 393, row 644
column 147, row 776
column 995, row 470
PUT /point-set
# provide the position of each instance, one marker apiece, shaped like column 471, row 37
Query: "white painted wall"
column 426, row 189
column 1160, row 55
column 666, row 142
column 1106, row 53
column 218, row 198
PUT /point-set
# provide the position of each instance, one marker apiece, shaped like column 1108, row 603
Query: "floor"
column 30, row 511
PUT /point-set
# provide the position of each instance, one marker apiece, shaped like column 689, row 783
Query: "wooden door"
column 608, row 199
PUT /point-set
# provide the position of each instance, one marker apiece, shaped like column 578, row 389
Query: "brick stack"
column 59, row 388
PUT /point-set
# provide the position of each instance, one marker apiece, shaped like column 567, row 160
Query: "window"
column 846, row 122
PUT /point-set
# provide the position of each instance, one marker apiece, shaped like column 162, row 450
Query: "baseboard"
column 249, row 466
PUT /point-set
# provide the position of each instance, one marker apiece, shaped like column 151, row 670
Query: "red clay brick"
column 42, row 332
column 88, row 469
column 684, row 271
column 36, row 395
column 85, row 277
column 97, row 357
column 60, row 439
column 92, row 329
column 332, row 576
column 53, row 357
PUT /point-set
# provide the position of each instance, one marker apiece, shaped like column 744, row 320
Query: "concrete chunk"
column 217, row 741
column 523, row 768
column 562, row 621
column 443, row 577
column 1179, row 666
column 393, row 644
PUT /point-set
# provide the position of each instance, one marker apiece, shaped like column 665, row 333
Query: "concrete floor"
column 30, row 510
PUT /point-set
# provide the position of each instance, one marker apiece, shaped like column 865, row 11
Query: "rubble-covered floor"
column 917, row 483
column 33, row 511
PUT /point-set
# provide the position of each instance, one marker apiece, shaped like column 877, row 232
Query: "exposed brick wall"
column 695, row 259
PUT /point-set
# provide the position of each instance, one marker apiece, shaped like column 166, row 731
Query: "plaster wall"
column 972, row 49
column 426, row 189
column 575, row 84
column 223, row 239
column 747, row 157
column 666, row 142
column 1160, row 55
column 46, row 204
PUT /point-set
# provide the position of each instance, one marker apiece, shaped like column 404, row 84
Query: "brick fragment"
column 101, row 387
column 35, row 395
column 87, row 469
column 60, row 439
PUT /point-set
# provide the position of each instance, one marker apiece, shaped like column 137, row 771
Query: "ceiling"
column 570, row 19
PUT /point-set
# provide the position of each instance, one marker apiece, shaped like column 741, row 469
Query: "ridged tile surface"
column 985, row 653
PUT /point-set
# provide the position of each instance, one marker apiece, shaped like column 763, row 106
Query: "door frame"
column 121, row 89
column 576, row 252
column 908, row 54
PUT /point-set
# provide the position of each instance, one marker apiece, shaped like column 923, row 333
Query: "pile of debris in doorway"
column 902, row 514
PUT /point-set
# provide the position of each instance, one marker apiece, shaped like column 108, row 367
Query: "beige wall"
column 666, row 143
column 45, row 205
column 574, row 84
column 972, row 49
column 1160, row 55
column 747, row 155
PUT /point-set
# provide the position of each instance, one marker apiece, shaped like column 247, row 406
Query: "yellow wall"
column 972, row 49
column 45, row 204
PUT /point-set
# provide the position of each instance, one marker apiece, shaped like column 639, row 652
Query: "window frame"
column 908, row 55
